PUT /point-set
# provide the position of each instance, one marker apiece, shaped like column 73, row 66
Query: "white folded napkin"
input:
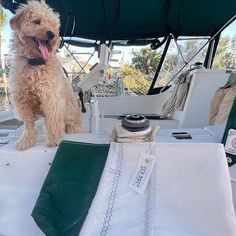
column 189, row 193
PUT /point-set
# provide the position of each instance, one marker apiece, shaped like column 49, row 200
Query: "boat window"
column 225, row 56
column 132, row 69
column 174, row 61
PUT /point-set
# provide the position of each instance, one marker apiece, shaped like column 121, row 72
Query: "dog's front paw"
column 27, row 141
column 52, row 143
column 22, row 145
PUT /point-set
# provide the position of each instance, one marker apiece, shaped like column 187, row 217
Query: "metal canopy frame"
column 212, row 42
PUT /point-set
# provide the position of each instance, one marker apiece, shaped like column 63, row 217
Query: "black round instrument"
column 135, row 123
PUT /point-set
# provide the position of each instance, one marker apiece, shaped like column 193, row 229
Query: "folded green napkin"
column 69, row 188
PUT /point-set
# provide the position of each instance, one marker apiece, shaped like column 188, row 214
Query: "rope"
column 178, row 96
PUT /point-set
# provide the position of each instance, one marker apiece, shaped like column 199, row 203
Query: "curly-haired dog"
column 39, row 88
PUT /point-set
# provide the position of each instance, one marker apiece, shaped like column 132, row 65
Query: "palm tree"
column 3, row 17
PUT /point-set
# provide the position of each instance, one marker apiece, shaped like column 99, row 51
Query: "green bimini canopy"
column 134, row 19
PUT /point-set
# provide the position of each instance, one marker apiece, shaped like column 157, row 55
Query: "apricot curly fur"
column 40, row 90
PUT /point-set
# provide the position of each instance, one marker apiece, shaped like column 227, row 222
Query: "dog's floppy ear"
column 15, row 22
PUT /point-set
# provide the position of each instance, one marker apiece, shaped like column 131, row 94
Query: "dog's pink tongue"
column 43, row 49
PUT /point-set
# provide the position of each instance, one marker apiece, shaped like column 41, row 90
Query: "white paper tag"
column 230, row 145
column 142, row 173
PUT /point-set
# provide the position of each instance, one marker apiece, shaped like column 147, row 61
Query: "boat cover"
column 188, row 193
column 135, row 19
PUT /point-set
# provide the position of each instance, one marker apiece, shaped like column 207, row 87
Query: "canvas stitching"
column 113, row 193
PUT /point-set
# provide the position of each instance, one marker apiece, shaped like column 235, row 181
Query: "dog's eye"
column 37, row 22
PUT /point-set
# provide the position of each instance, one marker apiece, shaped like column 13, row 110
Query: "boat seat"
column 203, row 85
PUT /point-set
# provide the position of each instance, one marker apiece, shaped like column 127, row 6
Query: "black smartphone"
column 181, row 135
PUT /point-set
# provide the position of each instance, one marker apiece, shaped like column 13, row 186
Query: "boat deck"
column 22, row 174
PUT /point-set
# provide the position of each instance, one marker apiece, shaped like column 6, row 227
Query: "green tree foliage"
column 190, row 48
column 134, row 79
column 168, row 66
column 146, row 60
column 3, row 17
column 138, row 75
column 226, row 53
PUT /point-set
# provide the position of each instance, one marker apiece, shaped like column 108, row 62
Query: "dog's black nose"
column 50, row 35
